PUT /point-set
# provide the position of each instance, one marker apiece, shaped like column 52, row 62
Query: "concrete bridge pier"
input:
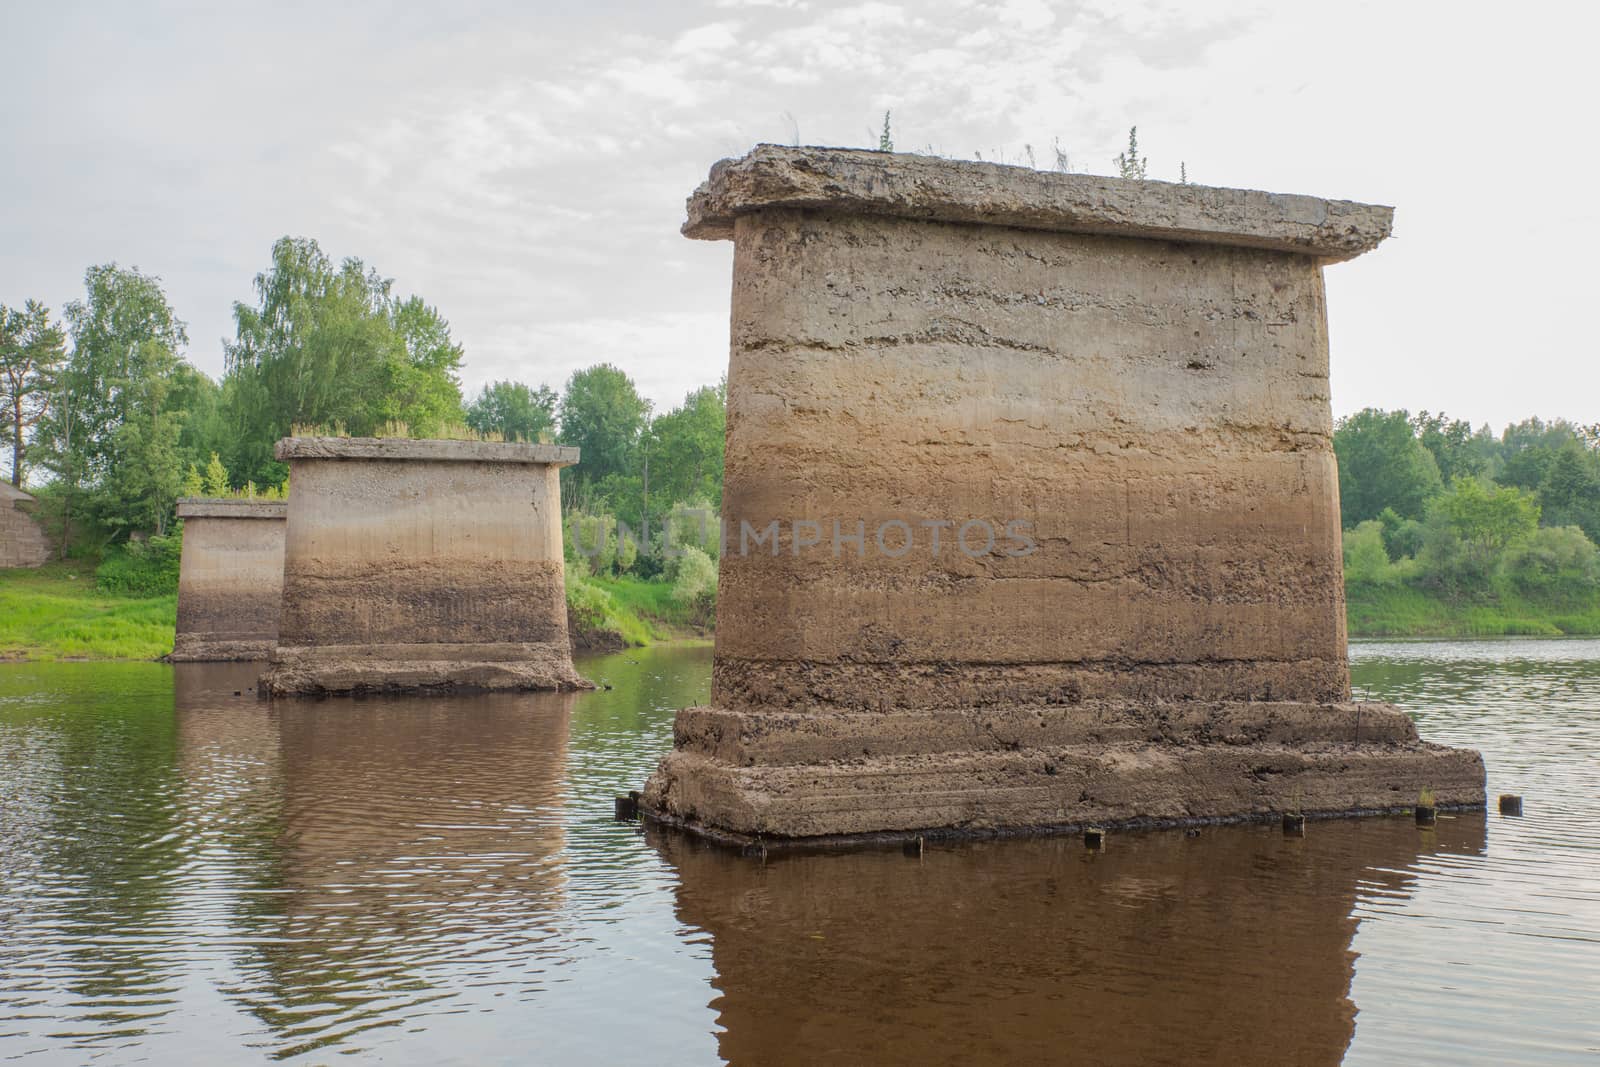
column 1032, row 510
column 422, row 565
column 230, row 580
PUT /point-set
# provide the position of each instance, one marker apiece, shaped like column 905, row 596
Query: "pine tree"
column 216, row 483
column 885, row 141
column 1129, row 163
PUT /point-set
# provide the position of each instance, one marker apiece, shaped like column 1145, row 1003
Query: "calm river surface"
column 190, row 875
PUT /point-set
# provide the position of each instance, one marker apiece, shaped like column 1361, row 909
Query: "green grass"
column 1401, row 610
column 55, row 612
column 651, row 601
column 640, row 612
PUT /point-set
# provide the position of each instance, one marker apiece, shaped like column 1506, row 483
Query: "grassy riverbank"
column 1400, row 610
column 56, row 612
column 608, row 613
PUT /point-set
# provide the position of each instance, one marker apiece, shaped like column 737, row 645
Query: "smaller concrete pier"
column 230, row 582
column 414, row 565
column 22, row 542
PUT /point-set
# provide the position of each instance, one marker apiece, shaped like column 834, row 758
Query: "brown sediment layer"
column 772, row 738
column 337, row 602
column 194, row 648
column 874, row 686
column 592, row 639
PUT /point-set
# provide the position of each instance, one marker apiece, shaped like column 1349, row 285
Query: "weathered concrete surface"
column 230, row 581
column 22, row 541
column 1048, row 768
column 862, row 182
column 422, row 565
column 1155, row 411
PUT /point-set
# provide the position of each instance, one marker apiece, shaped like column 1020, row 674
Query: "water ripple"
column 191, row 875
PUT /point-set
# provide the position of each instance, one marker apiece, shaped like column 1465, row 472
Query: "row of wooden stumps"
column 1294, row 824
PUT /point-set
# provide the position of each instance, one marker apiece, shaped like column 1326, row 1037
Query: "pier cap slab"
column 861, row 181
column 436, row 451
column 200, row 507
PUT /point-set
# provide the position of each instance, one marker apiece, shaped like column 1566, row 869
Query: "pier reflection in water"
column 191, row 874
column 399, row 849
column 1232, row 947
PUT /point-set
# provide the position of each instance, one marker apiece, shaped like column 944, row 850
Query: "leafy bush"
column 589, row 603
column 1365, row 558
column 1554, row 559
column 1470, row 526
column 1401, row 537
column 627, row 555
column 141, row 568
column 693, row 576
column 696, row 524
column 596, row 609
column 592, row 540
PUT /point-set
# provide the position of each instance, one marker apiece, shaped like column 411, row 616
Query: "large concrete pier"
column 422, row 565
column 230, row 581
column 1057, row 522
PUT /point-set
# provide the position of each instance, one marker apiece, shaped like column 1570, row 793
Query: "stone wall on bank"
column 22, row 540
column 230, row 581
column 422, row 564
column 1009, row 453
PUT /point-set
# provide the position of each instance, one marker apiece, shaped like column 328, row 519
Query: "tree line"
column 1431, row 501
column 108, row 423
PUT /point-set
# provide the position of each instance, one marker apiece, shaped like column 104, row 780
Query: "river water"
column 191, row 875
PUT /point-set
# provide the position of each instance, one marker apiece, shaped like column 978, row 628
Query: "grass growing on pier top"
column 450, row 431
column 56, row 612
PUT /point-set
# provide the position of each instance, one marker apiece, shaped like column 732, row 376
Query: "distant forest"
column 108, row 425
column 1430, row 502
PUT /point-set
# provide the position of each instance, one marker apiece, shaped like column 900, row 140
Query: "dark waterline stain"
column 188, row 875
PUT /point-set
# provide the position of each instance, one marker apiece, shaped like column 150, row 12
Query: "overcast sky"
column 523, row 165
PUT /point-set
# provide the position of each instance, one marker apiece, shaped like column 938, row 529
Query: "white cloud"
column 527, row 175
column 713, row 37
